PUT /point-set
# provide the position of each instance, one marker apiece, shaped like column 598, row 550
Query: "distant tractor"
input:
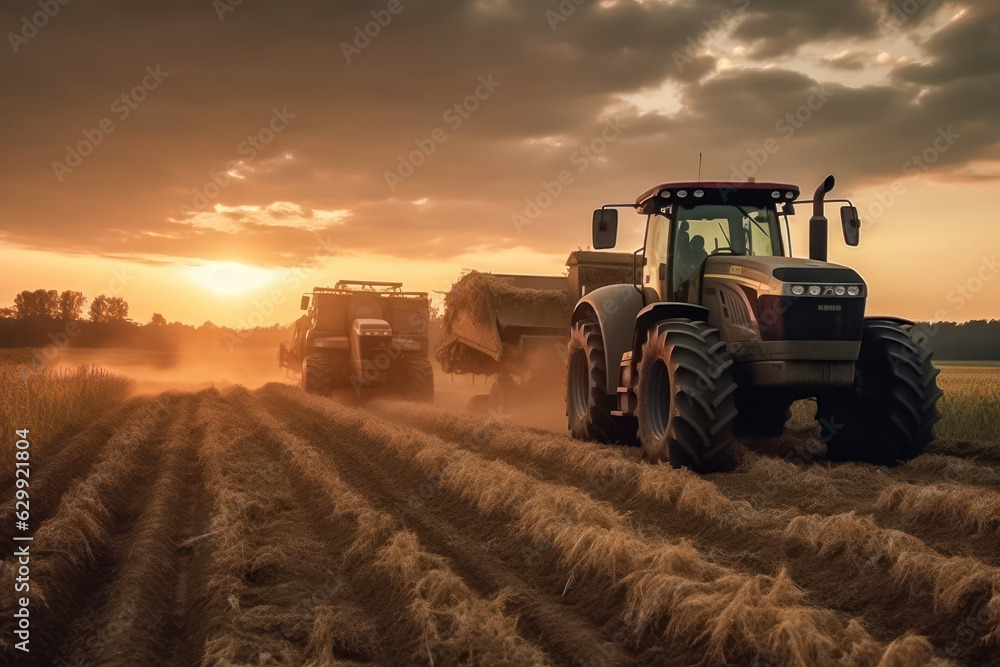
column 724, row 329
column 362, row 336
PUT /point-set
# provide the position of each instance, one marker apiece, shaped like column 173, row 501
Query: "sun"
column 231, row 278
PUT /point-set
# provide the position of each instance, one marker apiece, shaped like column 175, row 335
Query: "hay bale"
column 480, row 306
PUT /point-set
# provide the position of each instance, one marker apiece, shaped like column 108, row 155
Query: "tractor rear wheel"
column 686, row 403
column 588, row 409
column 418, row 379
column 888, row 416
column 317, row 375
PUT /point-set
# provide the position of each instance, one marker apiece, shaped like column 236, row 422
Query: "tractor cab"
column 689, row 222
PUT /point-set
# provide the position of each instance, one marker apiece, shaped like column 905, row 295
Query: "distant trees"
column 48, row 304
column 40, row 303
column 71, row 305
column 158, row 320
column 108, row 309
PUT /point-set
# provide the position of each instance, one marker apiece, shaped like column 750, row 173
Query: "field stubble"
column 270, row 527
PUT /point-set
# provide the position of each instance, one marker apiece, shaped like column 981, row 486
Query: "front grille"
column 811, row 318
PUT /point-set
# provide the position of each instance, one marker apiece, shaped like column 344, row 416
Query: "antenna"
column 699, row 166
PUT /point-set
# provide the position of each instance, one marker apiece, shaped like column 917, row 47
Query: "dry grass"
column 49, row 403
column 913, row 567
column 967, row 509
column 969, row 408
column 451, row 622
column 668, row 587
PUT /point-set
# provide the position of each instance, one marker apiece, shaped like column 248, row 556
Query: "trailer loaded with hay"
column 514, row 328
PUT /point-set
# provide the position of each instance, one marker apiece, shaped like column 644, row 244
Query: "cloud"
column 135, row 193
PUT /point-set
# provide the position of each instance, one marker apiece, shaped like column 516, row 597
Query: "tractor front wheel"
column 686, row 403
column 588, row 409
column 888, row 416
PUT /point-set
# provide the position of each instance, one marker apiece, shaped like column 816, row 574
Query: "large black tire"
column 417, row 379
column 317, row 375
column 588, row 409
column 888, row 416
column 686, row 403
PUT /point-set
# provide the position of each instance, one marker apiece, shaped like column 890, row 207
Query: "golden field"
column 270, row 527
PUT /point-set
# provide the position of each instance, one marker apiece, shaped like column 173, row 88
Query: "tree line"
column 68, row 306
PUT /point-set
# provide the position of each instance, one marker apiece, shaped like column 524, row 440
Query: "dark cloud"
column 560, row 81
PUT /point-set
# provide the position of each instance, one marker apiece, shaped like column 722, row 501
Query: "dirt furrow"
column 606, row 562
column 473, row 631
column 135, row 622
column 75, row 552
column 75, row 460
column 561, row 629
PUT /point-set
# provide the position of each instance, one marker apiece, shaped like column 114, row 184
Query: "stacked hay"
column 480, row 306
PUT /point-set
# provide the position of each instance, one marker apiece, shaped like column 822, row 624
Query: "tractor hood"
column 785, row 298
column 772, row 272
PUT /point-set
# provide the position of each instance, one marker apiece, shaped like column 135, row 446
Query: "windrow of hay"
column 668, row 588
column 48, row 403
column 452, row 623
column 965, row 508
column 914, row 568
column 598, row 469
column 260, row 556
column 88, row 515
column 81, row 534
column 488, row 302
column 136, row 619
column 457, row 626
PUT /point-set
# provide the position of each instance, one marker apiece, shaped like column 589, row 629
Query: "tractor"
column 363, row 336
column 722, row 330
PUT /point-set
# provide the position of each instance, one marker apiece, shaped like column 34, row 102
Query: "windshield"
column 728, row 229
column 721, row 229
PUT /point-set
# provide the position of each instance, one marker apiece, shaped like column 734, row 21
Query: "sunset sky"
column 208, row 160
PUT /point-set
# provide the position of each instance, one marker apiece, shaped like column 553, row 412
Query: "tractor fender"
column 614, row 309
column 659, row 311
column 890, row 318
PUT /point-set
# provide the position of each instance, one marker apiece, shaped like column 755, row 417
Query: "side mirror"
column 852, row 225
column 605, row 228
column 305, row 302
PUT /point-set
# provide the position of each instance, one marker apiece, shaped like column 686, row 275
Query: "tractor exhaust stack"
column 818, row 236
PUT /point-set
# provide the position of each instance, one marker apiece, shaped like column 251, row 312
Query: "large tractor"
column 724, row 329
column 362, row 336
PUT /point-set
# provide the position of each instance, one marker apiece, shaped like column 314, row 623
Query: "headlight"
column 839, row 290
column 798, row 290
column 853, row 291
column 815, row 290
